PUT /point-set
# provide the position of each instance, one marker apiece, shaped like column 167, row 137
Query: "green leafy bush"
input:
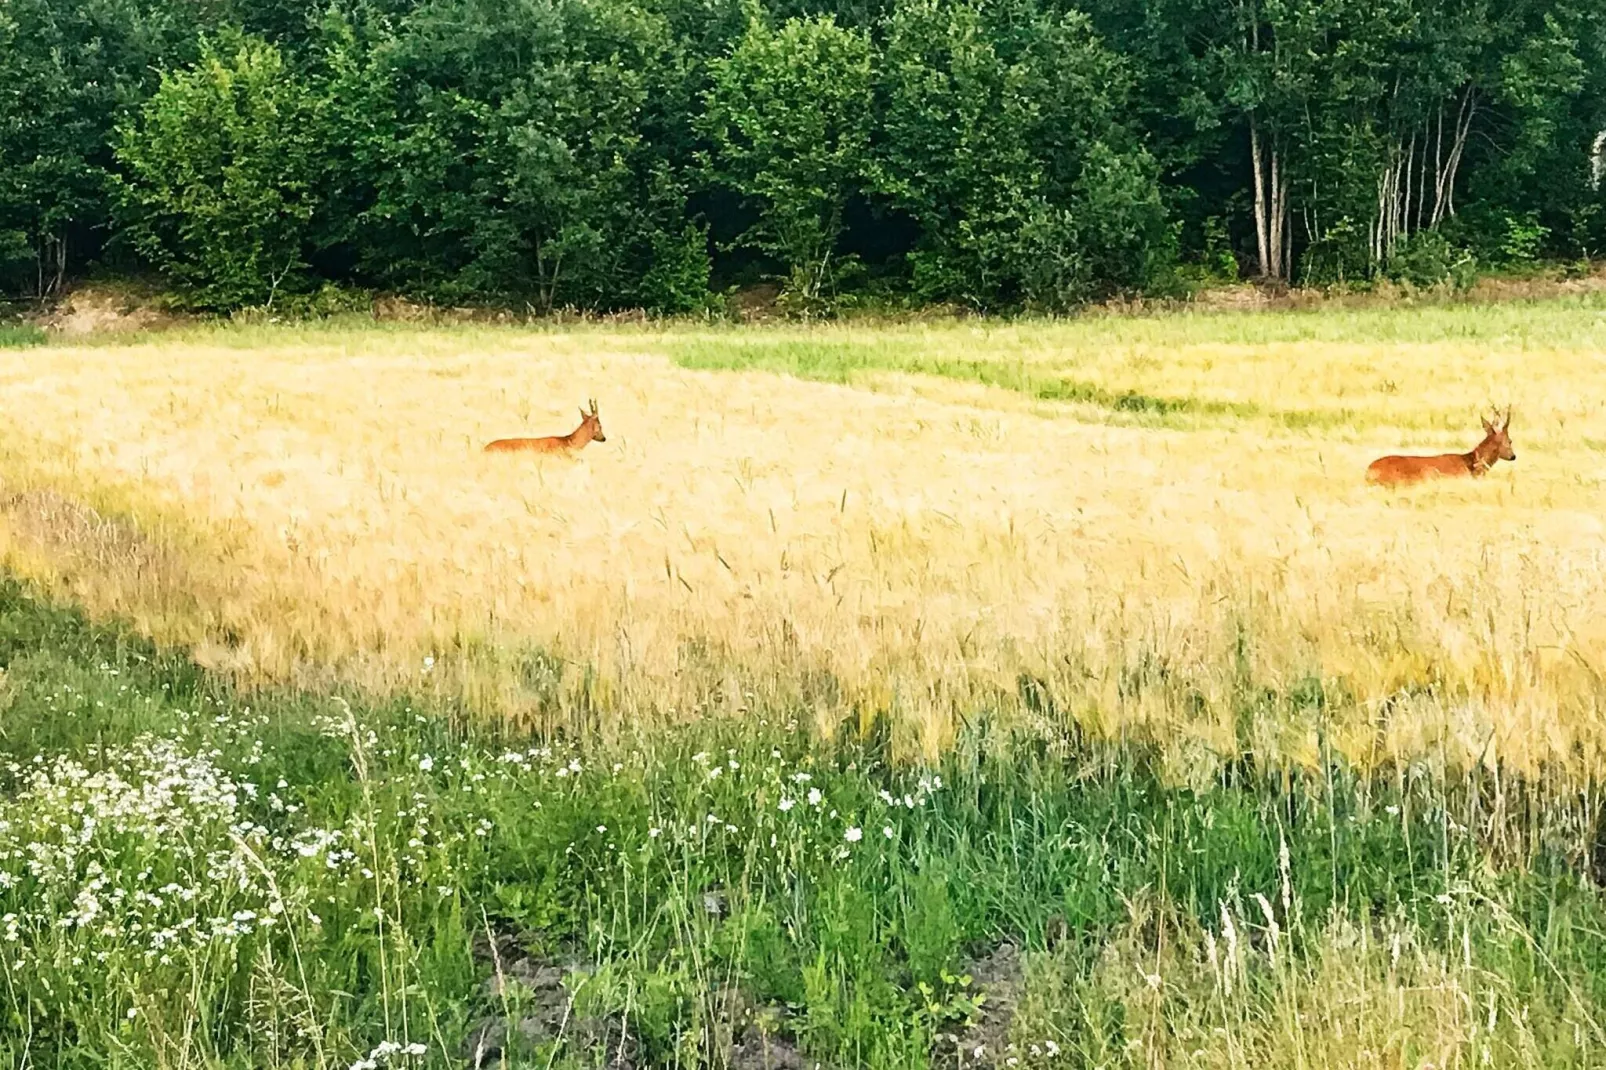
column 527, row 151
column 789, row 116
column 1002, row 137
column 1523, row 238
column 17, row 335
column 69, row 73
column 1427, row 259
column 1341, row 256
column 220, row 166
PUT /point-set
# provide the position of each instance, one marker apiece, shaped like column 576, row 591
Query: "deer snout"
column 600, row 437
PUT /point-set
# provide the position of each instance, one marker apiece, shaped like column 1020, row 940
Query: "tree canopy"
column 607, row 154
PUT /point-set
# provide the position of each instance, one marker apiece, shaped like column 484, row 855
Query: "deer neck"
column 580, row 436
column 1482, row 458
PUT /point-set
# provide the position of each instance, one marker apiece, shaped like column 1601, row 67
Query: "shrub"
column 1427, row 259
column 18, row 335
column 789, row 115
column 1524, row 235
column 218, row 184
column 1003, row 137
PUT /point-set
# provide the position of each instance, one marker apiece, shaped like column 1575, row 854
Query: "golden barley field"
column 1149, row 527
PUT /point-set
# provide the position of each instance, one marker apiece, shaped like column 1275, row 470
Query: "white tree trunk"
column 1447, row 164
column 1273, row 236
column 1427, row 176
column 1260, row 197
column 1281, row 238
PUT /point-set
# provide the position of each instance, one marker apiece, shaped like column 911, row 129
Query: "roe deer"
column 590, row 430
column 1496, row 446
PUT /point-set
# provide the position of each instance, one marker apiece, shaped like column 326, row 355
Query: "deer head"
column 592, row 422
column 1497, row 438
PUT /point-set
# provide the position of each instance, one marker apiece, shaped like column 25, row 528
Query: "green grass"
column 845, row 361
column 18, row 335
column 1565, row 320
column 198, row 878
column 1083, row 362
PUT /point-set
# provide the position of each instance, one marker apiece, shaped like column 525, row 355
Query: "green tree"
column 514, row 149
column 69, row 71
column 587, row 152
column 1002, row 136
column 790, row 121
column 218, row 191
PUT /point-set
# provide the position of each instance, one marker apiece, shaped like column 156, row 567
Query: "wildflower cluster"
column 138, row 850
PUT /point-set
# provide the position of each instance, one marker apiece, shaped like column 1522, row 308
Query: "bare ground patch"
column 93, row 310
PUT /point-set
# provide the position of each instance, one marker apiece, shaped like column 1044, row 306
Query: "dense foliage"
column 644, row 153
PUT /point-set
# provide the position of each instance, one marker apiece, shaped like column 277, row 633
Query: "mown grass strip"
column 1575, row 324
column 844, row 362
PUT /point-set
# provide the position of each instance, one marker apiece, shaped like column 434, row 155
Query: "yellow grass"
column 304, row 504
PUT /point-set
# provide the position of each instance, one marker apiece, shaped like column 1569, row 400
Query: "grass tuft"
column 20, row 335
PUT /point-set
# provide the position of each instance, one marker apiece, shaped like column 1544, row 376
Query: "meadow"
column 973, row 693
